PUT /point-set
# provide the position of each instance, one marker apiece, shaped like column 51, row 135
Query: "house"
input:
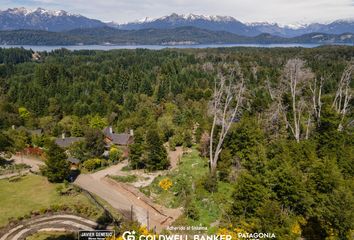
column 65, row 142
column 118, row 139
column 121, row 140
column 74, row 162
column 31, row 132
column 36, row 132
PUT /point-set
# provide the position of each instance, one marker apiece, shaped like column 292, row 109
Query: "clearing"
column 35, row 193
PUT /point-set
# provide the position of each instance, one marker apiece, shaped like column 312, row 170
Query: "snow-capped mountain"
column 336, row 27
column 42, row 19
column 230, row 24
column 59, row 21
column 214, row 23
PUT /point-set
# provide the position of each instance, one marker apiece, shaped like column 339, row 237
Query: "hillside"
column 177, row 36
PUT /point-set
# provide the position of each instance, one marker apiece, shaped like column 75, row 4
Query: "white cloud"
column 282, row 11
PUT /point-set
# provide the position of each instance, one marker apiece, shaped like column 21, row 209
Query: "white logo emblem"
column 129, row 235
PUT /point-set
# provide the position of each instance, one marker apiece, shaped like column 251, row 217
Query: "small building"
column 65, row 142
column 74, row 162
column 36, row 132
column 31, row 132
column 118, row 139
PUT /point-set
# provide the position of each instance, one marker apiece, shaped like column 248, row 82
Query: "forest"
column 176, row 36
column 274, row 124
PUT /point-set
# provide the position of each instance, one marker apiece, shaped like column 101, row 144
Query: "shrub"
column 125, row 179
column 115, row 154
column 165, row 184
column 191, row 210
column 188, row 139
column 182, row 186
column 210, row 183
column 94, row 163
column 172, row 144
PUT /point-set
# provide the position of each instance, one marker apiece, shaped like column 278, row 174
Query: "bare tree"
column 343, row 94
column 295, row 76
column 226, row 104
column 254, row 71
column 315, row 111
column 316, row 90
column 269, row 88
column 204, row 144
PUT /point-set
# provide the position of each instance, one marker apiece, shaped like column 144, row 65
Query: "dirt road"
column 35, row 163
column 62, row 223
column 126, row 198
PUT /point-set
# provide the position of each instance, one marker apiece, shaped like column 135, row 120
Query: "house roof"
column 66, row 142
column 36, row 132
column 121, row 138
column 117, row 138
column 73, row 160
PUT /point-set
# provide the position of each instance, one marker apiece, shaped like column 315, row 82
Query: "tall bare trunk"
column 227, row 101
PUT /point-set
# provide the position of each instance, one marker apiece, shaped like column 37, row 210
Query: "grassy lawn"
column 125, row 179
column 35, row 193
column 187, row 180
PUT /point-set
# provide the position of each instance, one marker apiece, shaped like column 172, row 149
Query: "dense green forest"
column 288, row 153
column 181, row 35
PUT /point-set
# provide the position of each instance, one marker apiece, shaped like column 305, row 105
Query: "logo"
column 96, row 235
column 129, row 235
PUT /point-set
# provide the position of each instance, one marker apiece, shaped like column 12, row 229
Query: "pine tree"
column 57, row 167
column 5, row 142
column 156, row 157
column 94, row 143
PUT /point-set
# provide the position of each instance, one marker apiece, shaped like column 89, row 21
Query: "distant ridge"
column 176, row 36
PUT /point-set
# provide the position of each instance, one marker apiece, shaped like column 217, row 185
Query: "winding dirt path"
column 127, row 199
column 33, row 162
column 64, row 223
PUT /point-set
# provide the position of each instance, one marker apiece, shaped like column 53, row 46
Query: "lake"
column 159, row 47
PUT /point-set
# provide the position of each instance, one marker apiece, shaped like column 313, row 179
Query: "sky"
column 121, row 11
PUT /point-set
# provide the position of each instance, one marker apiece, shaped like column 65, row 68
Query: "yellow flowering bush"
column 143, row 230
column 165, row 184
column 115, row 154
column 233, row 233
column 296, row 229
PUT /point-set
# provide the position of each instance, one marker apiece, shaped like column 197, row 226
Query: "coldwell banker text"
column 179, row 237
column 131, row 236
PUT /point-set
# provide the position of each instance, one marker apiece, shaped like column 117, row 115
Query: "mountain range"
column 230, row 24
column 42, row 19
column 21, row 25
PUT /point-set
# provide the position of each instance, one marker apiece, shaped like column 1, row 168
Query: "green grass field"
column 35, row 193
column 125, row 179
